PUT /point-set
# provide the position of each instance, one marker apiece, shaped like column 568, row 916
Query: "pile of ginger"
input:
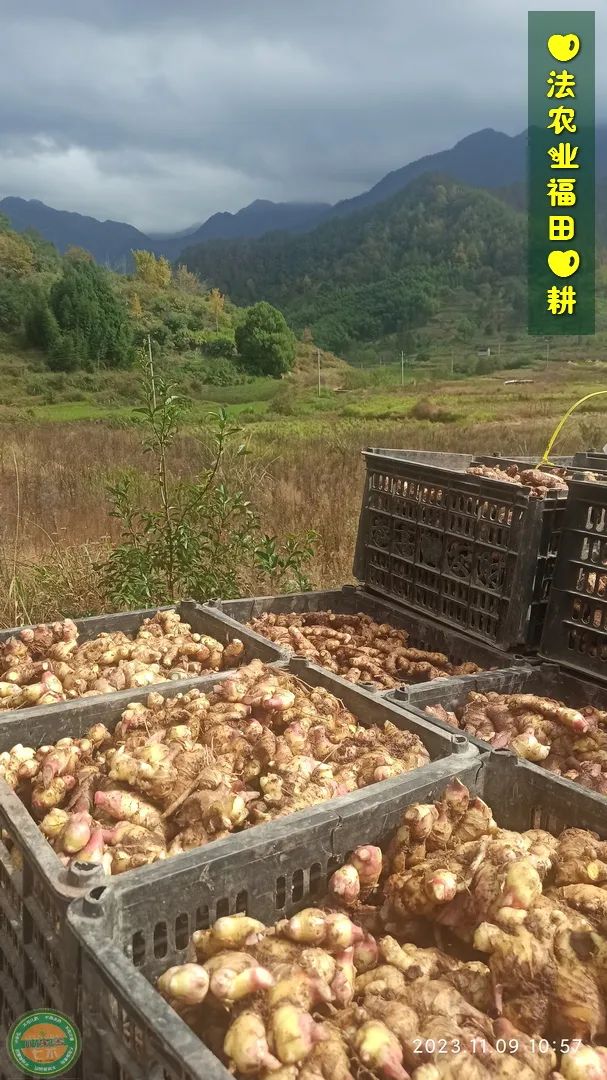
column 568, row 742
column 45, row 664
column 540, row 481
column 465, row 952
column 357, row 648
column 179, row 772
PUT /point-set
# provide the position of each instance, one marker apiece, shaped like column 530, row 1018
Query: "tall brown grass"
column 55, row 523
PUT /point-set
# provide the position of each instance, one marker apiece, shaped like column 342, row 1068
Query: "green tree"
column 78, row 254
column 16, row 255
column 152, row 270
column 41, row 327
column 13, row 301
column 216, row 304
column 64, row 354
column 265, row 342
column 135, row 307
column 219, row 344
column 91, row 315
column 186, row 281
column 485, row 365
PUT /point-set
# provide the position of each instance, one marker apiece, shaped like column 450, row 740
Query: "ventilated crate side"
column 125, row 1020
column 591, row 459
column 7, row 1069
column 131, row 1033
column 575, row 632
column 472, row 552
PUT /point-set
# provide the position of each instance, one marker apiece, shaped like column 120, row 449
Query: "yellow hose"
column 559, row 427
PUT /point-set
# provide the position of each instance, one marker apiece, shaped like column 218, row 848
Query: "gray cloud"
column 161, row 114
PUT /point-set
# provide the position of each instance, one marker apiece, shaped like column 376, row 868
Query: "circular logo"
column 44, row 1043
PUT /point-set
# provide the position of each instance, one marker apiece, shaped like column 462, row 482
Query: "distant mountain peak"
column 484, row 159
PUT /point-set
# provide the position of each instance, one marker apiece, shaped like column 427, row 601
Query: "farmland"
column 302, row 470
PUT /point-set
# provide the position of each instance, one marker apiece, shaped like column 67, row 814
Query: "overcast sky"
column 160, row 112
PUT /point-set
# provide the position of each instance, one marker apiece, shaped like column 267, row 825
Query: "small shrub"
column 515, row 362
column 198, row 537
column 429, row 410
column 486, row 365
column 285, row 402
column 221, row 372
column 219, row 343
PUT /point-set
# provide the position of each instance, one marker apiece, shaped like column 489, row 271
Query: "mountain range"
column 388, row 269
column 111, row 242
column 486, row 159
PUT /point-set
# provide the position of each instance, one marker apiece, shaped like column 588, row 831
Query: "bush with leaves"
column 221, row 372
column 265, row 342
column 486, row 365
column 64, row 354
column 13, row 301
column 41, row 327
column 195, row 538
column 91, row 315
column 219, row 343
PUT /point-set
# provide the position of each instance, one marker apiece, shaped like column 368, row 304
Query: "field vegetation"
column 302, row 471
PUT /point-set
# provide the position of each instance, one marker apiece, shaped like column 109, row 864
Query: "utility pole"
column 547, row 352
column 318, row 363
column 402, row 367
column 452, row 361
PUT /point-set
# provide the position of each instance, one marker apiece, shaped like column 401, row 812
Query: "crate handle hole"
column 297, row 885
column 316, row 879
column 222, row 908
column 182, row 931
column 281, row 893
column 160, row 940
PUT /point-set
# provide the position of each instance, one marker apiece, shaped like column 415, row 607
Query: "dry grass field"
column 303, row 471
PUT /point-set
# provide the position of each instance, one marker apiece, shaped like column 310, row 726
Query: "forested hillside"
column 382, row 270
column 72, row 314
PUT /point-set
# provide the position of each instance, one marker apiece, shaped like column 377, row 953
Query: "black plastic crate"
column 547, row 680
column 132, row 933
column 203, row 620
column 12, row 1004
column 575, row 633
column 575, row 466
column 7, row 1069
column 472, row 552
column 349, row 600
column 36, row 889
column 591, row 459
column 38, row 961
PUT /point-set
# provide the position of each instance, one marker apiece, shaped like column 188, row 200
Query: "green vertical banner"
column 561, row 172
